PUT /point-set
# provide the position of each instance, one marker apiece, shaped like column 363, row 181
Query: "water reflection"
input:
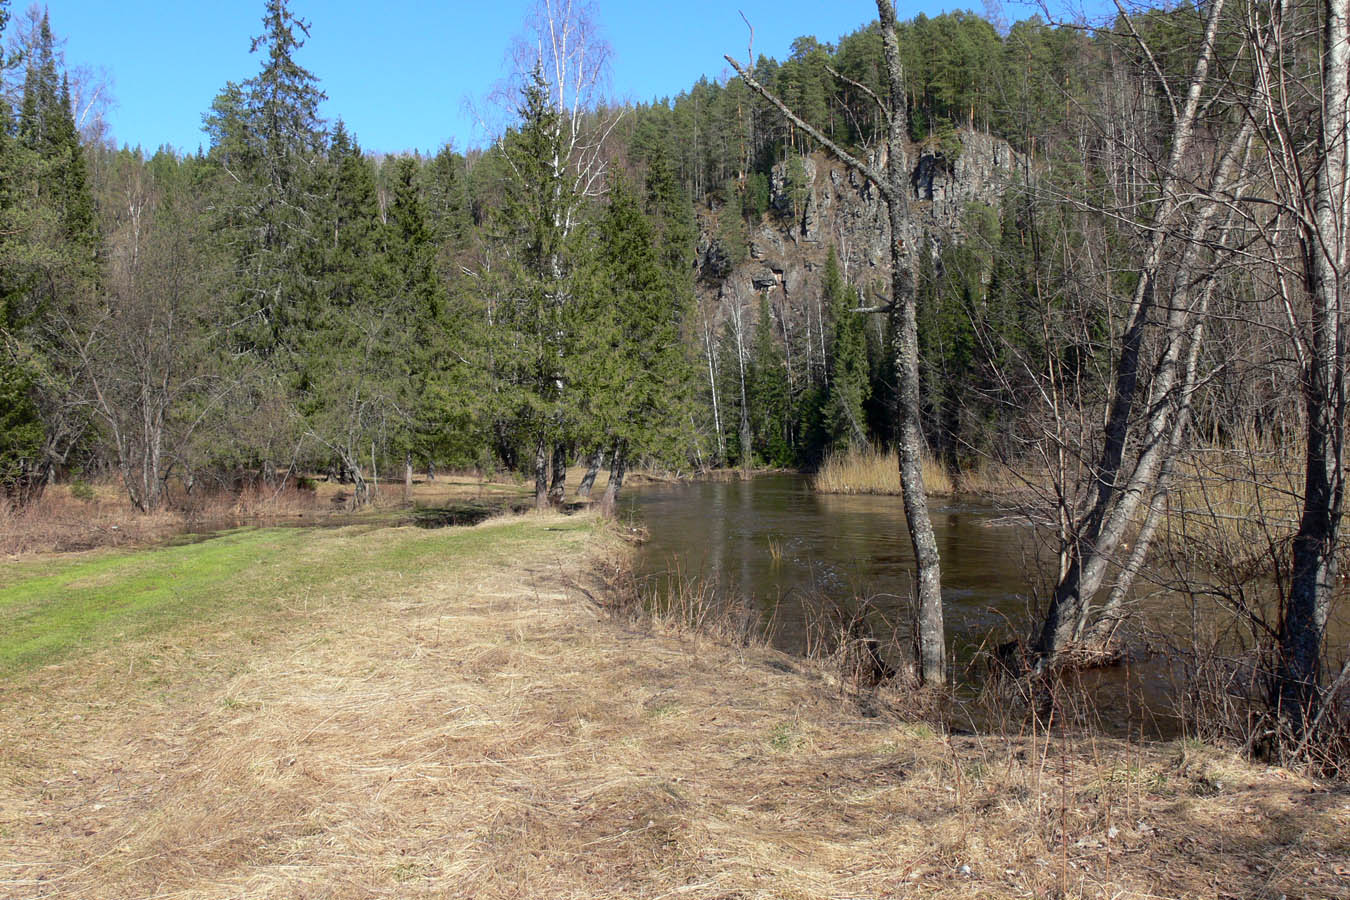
column 774, row 539
column 839, row 545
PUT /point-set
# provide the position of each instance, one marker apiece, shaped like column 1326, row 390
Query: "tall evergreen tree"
column 267, row 134
column 636, row 374
column 344, row 348
column 47, row 269
column 535, row 321
column 847, row 381
column 442, row 382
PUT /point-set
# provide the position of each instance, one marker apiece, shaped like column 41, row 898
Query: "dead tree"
column 890, row 176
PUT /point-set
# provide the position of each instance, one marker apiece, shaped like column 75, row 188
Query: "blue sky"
column 400, row 72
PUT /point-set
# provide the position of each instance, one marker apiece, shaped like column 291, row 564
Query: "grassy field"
column 393, row 712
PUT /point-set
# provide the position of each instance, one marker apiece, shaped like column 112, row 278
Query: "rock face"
column 788, row 248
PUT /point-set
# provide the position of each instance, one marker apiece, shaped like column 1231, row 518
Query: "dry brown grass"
column 480, row 730
column 874, row 471
column 59, row 521
column 1232, row 506
column 100, row 515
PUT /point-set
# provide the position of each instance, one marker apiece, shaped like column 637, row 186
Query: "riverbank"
column 360, row 712
column 83, row 516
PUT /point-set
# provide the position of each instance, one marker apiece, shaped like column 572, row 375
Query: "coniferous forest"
column 286, row 298
column 1104, row 267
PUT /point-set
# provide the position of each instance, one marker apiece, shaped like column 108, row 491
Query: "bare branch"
column 885, row 110
column 883, row 185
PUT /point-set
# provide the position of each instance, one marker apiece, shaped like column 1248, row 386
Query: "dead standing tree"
column 892, row 183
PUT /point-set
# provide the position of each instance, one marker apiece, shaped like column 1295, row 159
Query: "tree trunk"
column 712, row 389
column 894, row 186
column 930, row 627
column 745, row 437
column 1093, row 539
column 914, row 494
column 557, row 488
column 541, row 474
column 407, row 476
column 617, row 469
column 1325, row 244
column 360, row 487
column 592, row 470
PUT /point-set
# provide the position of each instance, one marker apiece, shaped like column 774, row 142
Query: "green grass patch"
column 53, row 607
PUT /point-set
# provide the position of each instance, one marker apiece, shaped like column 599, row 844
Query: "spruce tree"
column 847, row 381
column 47, row 270
column 636, row 375
column 346, row 345
column 442, row 381
column 266, row 135
column 535, row 323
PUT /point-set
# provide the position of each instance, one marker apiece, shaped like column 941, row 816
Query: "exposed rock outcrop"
column 788, row 247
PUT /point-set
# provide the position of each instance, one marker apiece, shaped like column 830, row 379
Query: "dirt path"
column 482, row 730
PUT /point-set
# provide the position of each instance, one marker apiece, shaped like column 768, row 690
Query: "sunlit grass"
column 53, row 606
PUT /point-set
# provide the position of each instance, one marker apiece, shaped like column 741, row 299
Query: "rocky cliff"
column 788, row 248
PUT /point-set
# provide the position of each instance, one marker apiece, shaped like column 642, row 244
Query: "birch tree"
column 1150, row 397
column 1308, row 169
column 562, row 65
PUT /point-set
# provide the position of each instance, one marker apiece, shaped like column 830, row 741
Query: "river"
column 790, row 549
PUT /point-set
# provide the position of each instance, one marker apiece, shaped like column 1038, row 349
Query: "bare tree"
column 1311, row 178
column 890, row 176
column 1149, row 405
column 145, row 351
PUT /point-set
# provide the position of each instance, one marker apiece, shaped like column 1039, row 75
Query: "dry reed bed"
column 873, row 471
column 482, row 730
column 104, row 517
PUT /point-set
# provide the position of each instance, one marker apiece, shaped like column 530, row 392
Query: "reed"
column 872, row 470
column 1235, row 507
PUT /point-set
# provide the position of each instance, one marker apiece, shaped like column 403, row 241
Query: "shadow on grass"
column 458, row 514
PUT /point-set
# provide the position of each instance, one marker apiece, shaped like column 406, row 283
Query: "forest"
column 1138, row 327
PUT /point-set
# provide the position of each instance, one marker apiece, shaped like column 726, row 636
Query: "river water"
column 774, row 540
